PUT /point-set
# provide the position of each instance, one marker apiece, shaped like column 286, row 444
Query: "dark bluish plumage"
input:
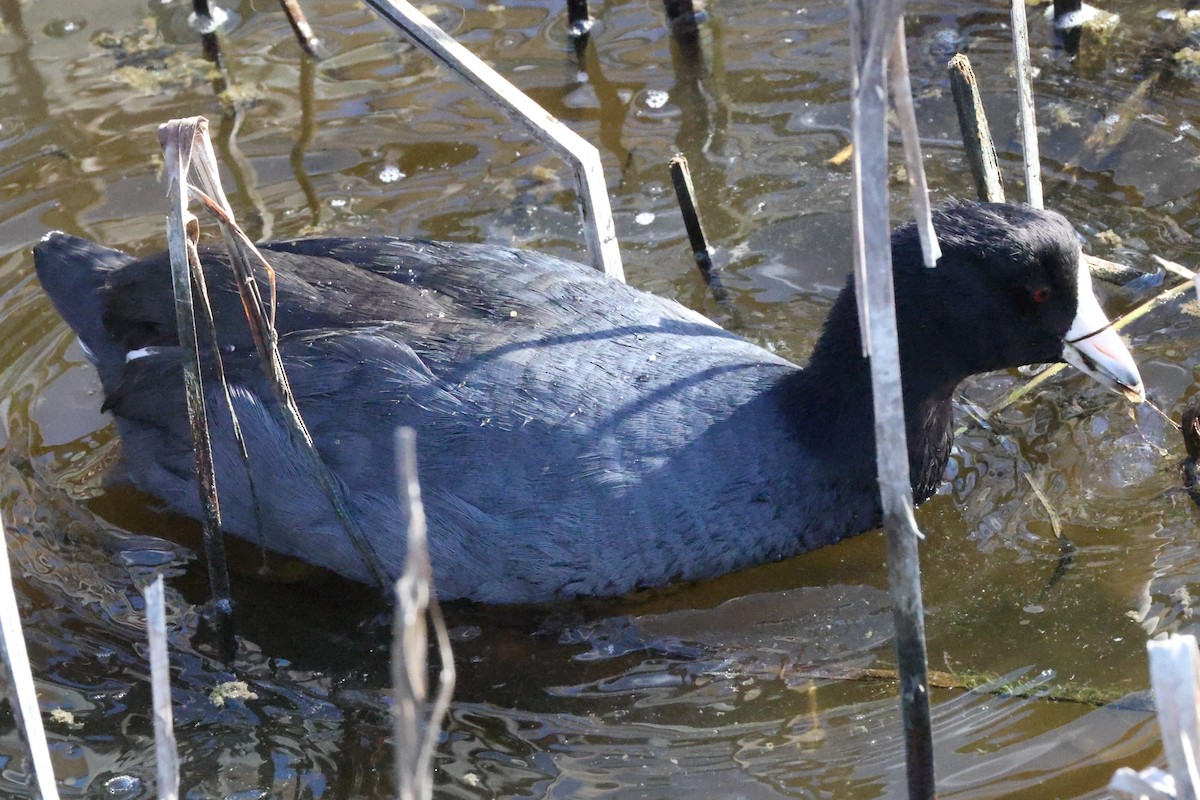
column 1189, row 427
column 576, row 436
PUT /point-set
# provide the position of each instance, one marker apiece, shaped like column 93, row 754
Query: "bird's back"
column 575, row 435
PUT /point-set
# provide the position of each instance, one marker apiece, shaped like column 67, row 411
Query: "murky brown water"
column 698, row 692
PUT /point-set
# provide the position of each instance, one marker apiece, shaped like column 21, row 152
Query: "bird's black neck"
column 832, row 404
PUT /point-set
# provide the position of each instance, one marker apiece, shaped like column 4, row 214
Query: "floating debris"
column 390, row 174
column 231, row 690
column 1188, row 62
column 61, row 716
column 1096, row 21
column 149, row 67
column 656, row 98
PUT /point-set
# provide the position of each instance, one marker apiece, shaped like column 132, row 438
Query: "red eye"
column 1040, row 295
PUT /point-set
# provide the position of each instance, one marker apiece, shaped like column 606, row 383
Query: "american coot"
column 576, row 436
column 1189, row 426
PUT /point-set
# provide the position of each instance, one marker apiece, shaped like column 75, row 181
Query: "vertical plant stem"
column 177, row 153
column 415, row 732
column 1029, row 139
column 684, row 16
column 976, row 134
column 165, row 752
column 1175, row 678
column 579, row 21
column 873, row 25
column 21, row 690
column 300, row 27
column 598, row 227
column 902, row 100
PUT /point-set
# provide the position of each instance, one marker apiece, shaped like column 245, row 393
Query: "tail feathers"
column 74, row 273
